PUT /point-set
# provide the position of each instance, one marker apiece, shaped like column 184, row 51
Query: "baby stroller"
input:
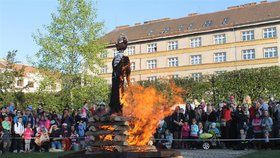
column 209, row 140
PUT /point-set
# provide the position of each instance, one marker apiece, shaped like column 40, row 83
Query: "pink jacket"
column 186, row 130
column 28, row 133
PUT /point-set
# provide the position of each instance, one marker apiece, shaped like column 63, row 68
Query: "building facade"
column 245, row 36
column 31, row 79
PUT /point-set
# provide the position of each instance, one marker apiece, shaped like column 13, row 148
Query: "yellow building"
column 245, row 36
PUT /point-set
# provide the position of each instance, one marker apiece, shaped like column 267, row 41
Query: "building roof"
column 193, row 23
column 27, row 69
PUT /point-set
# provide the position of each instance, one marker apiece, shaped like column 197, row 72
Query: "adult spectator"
column 177, row 119
column 56, row 137
column 18, row 130
column 263, row 106
column 253, row 110
column 6, row 137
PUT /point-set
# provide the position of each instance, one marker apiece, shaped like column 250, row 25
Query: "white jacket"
column 19, row 128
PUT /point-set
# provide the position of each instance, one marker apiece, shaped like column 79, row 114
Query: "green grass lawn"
column 263, row 154
column 34, row 155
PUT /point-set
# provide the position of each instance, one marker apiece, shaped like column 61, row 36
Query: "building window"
column 219, row 72
column 30, row 84
column 103, row 70
column 196, row 59
column 196, row 76
column 152, row 78
column 220, row 39
column 20, row 83
column 207, row 23
column 151, row 64
column 173, row 62
column 130, row 50
column 132, row 65
column 152, row 48
column 249, row 54
column 103, row 54
column 115, row 52
column 195, row 42
column 269, row 32
column 225, row 21
column 270, row 52
column 220, row 57
column 173, row 76
column 172, row 45
column 248, row 35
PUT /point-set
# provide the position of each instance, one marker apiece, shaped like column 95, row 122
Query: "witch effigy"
column 121, row 71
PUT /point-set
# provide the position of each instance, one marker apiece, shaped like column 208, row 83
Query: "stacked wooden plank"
column 109, row 133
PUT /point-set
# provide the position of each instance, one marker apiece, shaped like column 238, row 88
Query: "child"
column 267, row 127
column 194, row 132
column 74, row 139
column 200, row 128
column 213, row 129
column 185, row 133
column 169, row 138
column 28, row 133
column 257, row 125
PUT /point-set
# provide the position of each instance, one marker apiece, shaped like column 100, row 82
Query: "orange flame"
column 148, row 106
column 108, row 138
column 105, row 127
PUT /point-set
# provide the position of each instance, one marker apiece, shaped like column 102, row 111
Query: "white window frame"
column 270, row 52
column 132, row 66
column 115, row 51
column 173, row 62
column 130, row 50
column 197, row 76
column 173, row 45
column 248, row 35
column 20, row 83
column 104, row 69
column 249, row 54
column 152, row 78
column 173, row 76
column 195, row 42
column 220, row 57
column 151, row 48
column 220, row 72
column 152, row 64
column 195, row 59
column 270, row 32
column 220, row 39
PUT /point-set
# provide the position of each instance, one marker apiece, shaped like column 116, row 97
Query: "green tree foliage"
column 71, row 47
column 8, row 76
column 256, row 82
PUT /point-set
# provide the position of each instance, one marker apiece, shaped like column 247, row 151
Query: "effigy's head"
column 121, row 43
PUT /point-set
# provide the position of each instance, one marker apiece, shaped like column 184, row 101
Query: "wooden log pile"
column 109, row 133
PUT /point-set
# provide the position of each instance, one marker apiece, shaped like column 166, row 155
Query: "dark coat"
column 119, row 72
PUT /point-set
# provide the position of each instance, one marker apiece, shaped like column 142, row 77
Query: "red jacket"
column 226, row 114
column 252, row 112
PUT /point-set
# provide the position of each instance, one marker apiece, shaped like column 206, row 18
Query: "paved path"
column 214, row 153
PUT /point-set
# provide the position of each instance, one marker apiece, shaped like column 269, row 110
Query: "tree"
column 8, row 76
column 72, row 43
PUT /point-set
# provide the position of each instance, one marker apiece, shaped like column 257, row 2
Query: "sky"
column 19, row 19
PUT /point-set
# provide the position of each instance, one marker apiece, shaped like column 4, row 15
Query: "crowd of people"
column 39, row 130
column 238, row 126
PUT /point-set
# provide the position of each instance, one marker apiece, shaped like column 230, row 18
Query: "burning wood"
column 105, row 132
column 106, row 143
